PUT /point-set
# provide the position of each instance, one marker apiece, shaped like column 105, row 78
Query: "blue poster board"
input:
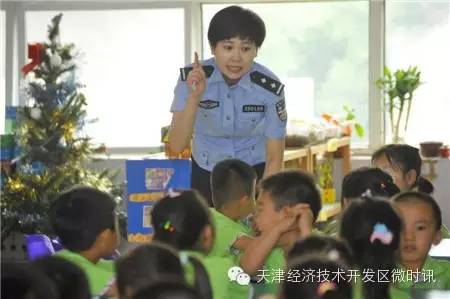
column 147, row 182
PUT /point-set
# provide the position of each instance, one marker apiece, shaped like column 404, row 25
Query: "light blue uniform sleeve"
column 276, row 118
column 181, row 94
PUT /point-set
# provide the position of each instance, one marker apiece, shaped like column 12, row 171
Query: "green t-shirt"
column 217, row 268
column 435, row 275
column 269, row 281
column 98, row 275
column 394, row 292
column 227, row 232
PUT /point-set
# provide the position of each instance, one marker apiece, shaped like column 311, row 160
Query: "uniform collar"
column 216, row 76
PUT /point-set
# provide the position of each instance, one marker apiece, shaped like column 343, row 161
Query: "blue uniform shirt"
column 235, row 121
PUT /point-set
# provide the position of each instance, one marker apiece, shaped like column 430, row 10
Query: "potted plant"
column 399, row 88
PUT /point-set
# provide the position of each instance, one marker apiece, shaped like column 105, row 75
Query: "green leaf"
column 359, row 130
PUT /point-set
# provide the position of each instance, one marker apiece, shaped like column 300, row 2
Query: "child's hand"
column 196, row 79
column 305, row 218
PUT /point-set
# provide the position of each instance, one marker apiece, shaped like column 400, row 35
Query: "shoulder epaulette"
column 184, row 71
column 267, row 83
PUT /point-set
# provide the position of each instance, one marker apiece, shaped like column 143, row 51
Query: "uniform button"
column 253, row 148
column 205, row 115
column 253, row 120
column 228, row 95
column 228, row 117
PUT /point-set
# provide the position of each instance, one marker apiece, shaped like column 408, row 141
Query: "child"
column 183, row 221
column 287, row 207
column 422, row 221
column 332, row 248
column 145, row 264
column 404, row 164
column 234, row 105
column 372, row 229
column 69, row 279
column 167, row 289
column 303, row 281
column 84, row 219
column 362, row 181
column 233, row 193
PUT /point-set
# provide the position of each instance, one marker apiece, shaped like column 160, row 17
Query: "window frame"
column 16, row 45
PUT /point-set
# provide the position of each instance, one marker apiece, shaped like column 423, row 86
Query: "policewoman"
column 232, row 106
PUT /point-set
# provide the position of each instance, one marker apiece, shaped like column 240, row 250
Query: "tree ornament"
column 55, row 60
column 36, row 113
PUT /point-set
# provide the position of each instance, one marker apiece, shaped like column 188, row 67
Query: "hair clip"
column 367, row 193
column 333, row 255
column 382, row 185
column 325, row 286
column 184, row 258
column 168, row 226
column 172, row 193
column 382, row 233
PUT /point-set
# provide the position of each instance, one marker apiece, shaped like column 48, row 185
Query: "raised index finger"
column 196, row 63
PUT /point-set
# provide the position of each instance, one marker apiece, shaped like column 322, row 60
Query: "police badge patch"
column 281, row 110
column 208, row 104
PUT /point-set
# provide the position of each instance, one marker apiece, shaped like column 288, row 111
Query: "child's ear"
column 411, row 177
column 207, row 237
column 437, row 237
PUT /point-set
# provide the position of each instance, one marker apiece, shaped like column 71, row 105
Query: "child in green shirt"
column 422, row 220
column 84, row 219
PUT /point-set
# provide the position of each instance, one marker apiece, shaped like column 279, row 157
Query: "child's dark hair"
column 231, row 180
column 70, row 280
column 316, row 288
column 364, row 179
column 325, row 245
column 24, row 281
column 179, row 220
column 372, row 229
column 235, row 21
column 292, row 187
column 145, row 264
column 406, row 158
column 410, row 196
column 80, row 214
column 167, row 290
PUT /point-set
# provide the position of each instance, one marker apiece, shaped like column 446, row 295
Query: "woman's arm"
column 274, row 156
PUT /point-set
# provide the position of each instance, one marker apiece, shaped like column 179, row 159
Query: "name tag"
column 253, row 108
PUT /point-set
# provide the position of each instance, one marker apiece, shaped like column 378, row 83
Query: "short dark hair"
column 167, row 289
column 69, row 279
column 235, row 21
column 409, row 196
column 292, row 187
column 80, row 214
column 230, row 180
column 378, row 182
column 406, row 158
column 145, row 264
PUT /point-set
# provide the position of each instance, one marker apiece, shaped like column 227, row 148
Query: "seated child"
column 359, row 182
column 69, row 279
column 302, row 279
column 183, row 221
column 145, row 264
column 167, row 289
column 84, row 219
column 372, row 229
column 422, row 221
column 233, row 185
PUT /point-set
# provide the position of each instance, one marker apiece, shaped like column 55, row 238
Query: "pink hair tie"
column 382, row 233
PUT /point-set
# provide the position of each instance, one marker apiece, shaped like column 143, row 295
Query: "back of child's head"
column 289, row 188
column 70, row 280
column 145, row 264
column 413, row 196
column 179, row 220
column 79, row 215
column 372, row 229
column 235, row 21
column 368, row 181
column 305, row 281
column 24, row 281
column 167, row 290
column 231, row 180
column 327, row 246
column 406, row 158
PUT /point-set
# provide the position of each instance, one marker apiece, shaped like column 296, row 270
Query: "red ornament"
column 34, row 53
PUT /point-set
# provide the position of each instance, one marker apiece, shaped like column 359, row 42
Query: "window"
column 129, row 65
column 321, row 56
column 418, row 33
column 2, row 70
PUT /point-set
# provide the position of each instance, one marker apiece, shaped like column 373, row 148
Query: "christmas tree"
column 53, row 151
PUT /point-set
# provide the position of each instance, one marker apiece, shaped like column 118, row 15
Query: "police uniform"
column 232, row 121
